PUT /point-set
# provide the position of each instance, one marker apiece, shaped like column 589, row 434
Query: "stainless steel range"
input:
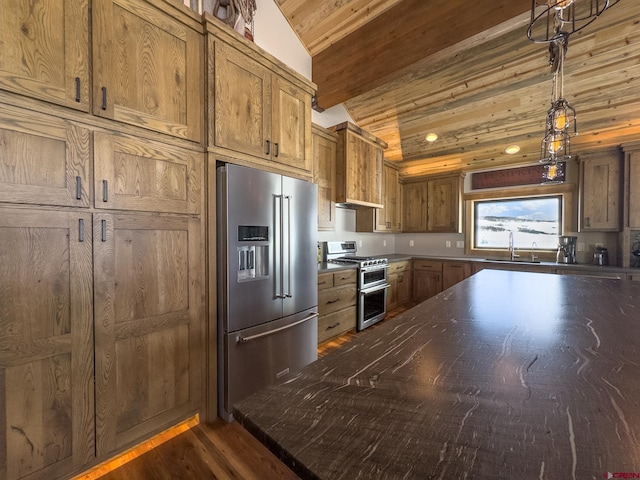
column 372, row 280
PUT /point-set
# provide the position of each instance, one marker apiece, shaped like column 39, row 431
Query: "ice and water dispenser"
column 253, row 254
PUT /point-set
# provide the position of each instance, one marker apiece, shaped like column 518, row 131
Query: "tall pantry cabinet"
column 101, row 263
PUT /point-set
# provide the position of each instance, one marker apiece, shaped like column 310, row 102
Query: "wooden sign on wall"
column 511, row 177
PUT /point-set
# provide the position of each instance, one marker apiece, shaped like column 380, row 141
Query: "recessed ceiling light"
column 431, row 137
column 512, row 149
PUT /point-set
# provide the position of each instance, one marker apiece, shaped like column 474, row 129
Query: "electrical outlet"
column 460, row 244
column 581, row 247
column 411, row 243
column 360, row 243
column 384, row 243
column 447, row 244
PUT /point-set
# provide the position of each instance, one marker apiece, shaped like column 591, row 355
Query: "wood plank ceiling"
column 467, row 71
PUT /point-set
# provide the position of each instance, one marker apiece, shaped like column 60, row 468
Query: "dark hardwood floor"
column 214, row 451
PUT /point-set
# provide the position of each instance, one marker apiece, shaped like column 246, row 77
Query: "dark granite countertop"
column 505, row 375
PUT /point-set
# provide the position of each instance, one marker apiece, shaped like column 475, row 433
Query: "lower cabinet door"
column 46, row 344
column 148, row 325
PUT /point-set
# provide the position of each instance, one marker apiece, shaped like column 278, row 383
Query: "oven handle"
column 367, row 291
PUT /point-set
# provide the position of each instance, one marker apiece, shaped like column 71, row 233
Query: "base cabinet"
column 337, row 293
column 148, row 284
column 454, row 272
column 399, row 279
column 46, row 347
column 427, row 279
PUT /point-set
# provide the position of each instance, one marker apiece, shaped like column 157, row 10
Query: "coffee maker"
column 566, row 249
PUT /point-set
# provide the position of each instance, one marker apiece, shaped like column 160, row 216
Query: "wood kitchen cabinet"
column 43, row 159
column 414, row 206
column 148, row 66
column 324, row 143
column 359, row 166
column 131, row 174
column 601, row 191
column 387, row 219
column 427, row 279
column 454, row 272
column 259, row 109
column 46, row 351
column 632, row 186
column 399, row 279
column 432, row 204
column 148, row 324
column 337, row 297
column 45, row 50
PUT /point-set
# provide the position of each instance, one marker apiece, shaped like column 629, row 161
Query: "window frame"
column 564, row 191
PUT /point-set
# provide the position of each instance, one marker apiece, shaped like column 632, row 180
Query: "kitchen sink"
column 515, row 260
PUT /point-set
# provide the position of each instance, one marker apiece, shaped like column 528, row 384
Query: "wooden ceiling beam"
column 402, row 35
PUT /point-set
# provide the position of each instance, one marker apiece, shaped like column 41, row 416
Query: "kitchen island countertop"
column 505, row 375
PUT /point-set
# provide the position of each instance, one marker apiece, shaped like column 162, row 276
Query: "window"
column 535, row 222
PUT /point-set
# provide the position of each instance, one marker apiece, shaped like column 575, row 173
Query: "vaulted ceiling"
column 467, row 71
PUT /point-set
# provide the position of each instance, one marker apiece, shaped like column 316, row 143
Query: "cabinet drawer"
column 345, row 277
column 397, row 267
column 427, row 265
column 325, row 280
column 335, row 299
column 337, row 323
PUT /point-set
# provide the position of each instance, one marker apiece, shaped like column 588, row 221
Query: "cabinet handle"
column 105, row 190
column 104, row 98
column 81, row 230
column 78, row 89
column 333, row 301
column 277, row 149
column 78, row 188
column 104, row 230
column 322, row 283
column 268, row 152
column 333, row 326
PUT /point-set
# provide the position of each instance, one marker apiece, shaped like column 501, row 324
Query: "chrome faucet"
column 512, row 250
column 534, row 257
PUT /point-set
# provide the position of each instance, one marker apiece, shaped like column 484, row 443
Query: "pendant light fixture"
column 553, row 22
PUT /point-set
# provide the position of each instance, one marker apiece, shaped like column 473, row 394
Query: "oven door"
column 372, row 276
column 372, row 305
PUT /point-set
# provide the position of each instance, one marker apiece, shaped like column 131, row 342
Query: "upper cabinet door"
column 601, row 193
column 43, row 159
column 147, row 68
column 45, row 51
column 147, row 176
column 443, row 206
column 291, row 125
column 242, row 99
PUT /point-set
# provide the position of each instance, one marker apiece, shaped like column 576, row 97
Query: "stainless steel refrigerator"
column 267, row 280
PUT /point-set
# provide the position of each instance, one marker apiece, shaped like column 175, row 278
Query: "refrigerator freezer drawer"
column 259, row 356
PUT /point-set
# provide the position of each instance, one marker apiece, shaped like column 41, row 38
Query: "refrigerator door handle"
column 288, row 293
column 241, row 339
column 279, row 247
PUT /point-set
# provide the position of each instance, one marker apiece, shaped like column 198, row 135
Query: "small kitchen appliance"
column 601, row 256
column 566, row 249
column 372, row 281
